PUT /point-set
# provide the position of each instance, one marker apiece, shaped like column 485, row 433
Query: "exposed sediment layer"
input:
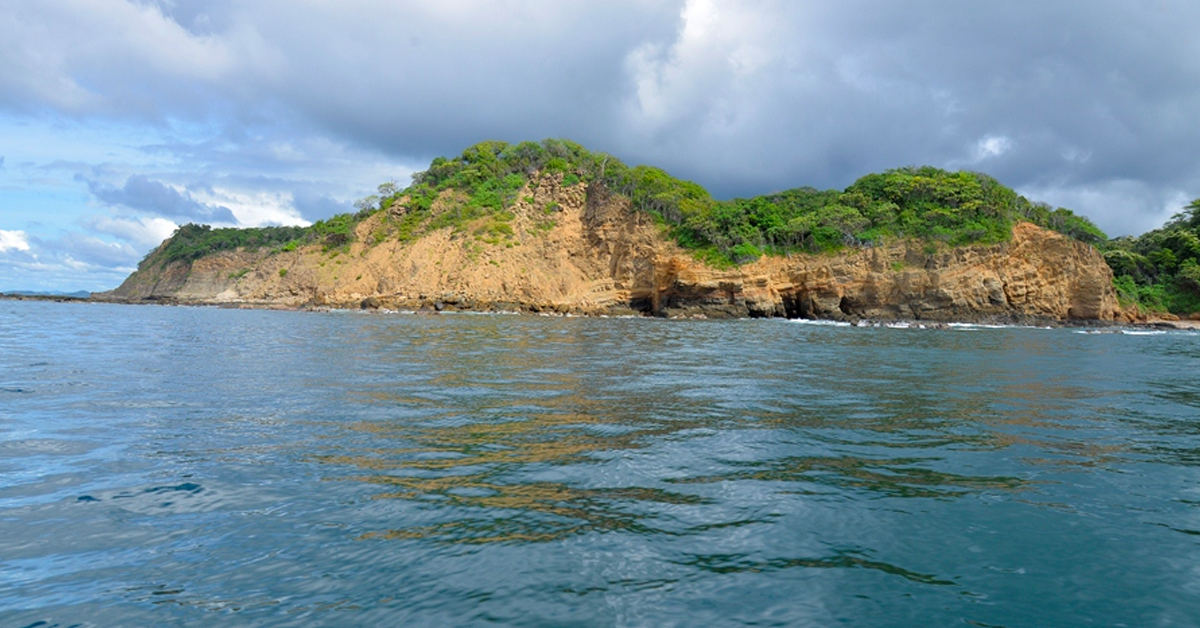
column 592, row 254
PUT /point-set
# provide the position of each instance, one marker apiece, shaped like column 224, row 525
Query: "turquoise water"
column 205, row 467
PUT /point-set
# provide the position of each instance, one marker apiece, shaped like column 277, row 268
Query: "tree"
column 367, row 203
column 388, row 188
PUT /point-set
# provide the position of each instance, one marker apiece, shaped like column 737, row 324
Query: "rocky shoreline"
column 433, row 308
column 56, row 298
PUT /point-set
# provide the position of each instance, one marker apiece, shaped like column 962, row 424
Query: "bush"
column 192, row 241
column 1160, row 270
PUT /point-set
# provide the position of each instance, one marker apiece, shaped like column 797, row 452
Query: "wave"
column 818, row 322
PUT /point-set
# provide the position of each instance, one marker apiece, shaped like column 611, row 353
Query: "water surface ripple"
column 186, row 466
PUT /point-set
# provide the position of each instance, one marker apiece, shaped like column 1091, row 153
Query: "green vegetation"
column 474, row 194
column 337, row 231
column 489, row 176
column 193, row 241
column 1159, row 271
column 545, row 223
column 926, row 203
column 951, row 208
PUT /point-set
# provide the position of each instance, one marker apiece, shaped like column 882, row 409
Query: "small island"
column 550, row 227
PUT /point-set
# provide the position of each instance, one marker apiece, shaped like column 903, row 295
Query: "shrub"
column 1160, row 270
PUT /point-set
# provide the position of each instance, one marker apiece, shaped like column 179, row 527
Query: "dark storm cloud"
column 1041, row 94
column 1088, row 103
column 432, row 78
column 153, row 197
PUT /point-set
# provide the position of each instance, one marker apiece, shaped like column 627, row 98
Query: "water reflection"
column 524, row 431
column 491, row 468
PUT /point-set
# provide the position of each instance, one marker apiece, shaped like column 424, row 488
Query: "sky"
column 122, row 119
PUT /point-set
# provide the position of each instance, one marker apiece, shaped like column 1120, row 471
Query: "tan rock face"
column 574, row 249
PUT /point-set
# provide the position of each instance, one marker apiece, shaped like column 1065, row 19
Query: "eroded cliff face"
column 580, row 250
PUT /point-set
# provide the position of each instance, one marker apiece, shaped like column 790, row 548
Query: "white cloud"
column 13, row 241
column 141, row 232
column 73, row 261
column 992, row 146
column 254, row 208
column 86, row 252
column 77, row 56
column 720, row 46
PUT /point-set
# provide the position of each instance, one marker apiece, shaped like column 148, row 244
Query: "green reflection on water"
column 496, row 422
column 469, row 468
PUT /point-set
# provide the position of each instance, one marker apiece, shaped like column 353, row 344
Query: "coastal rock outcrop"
column 1039, row 274
column 578, row 248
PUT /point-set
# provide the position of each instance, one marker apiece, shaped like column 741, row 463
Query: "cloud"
column 84, row 251
column 143, row 194
column 392, row 76
column 1120, row 207
column 72, row 261
column 251, row 208
column 836, row 92
column 142, row 233
column 13, row 241
column 199, row 202
column 110, row 57
column 992, row 146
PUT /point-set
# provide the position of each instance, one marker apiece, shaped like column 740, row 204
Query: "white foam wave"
column 819, row 323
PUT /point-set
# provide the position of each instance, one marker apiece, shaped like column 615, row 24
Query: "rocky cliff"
column 581, row 249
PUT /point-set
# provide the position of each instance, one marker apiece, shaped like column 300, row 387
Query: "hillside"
column 552, row 226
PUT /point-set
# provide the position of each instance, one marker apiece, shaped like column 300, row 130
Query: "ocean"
column 185, row 466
